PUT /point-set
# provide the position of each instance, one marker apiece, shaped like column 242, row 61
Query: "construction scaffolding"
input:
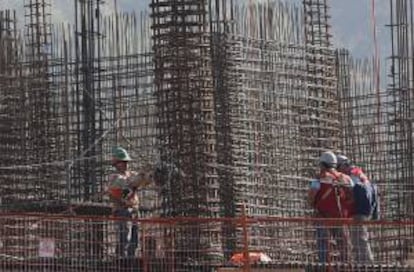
column 232, row 102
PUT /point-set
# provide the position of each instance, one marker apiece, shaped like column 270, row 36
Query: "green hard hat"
column 120, row 154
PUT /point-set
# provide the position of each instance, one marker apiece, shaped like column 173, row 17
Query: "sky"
column 351, row 21
column 352, row 25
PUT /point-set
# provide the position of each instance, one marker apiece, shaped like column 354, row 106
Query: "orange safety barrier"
column 45, row 242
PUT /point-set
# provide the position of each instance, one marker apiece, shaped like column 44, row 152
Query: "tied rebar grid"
column 401, row 91
column 185, row 99
column 185, row 103
column 243, row 118
column 264, row 101
column 103, row 74
column 86, row 173
column 320, row 128
column 364, row 127
column 121, row 72
column 11, row 136
column 366, row 142
column 42, row 180
column 32, row 123
column 223, row 79
column 262, row 81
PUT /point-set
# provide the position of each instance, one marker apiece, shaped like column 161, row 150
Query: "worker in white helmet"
column 366, row 207
column 330, row 196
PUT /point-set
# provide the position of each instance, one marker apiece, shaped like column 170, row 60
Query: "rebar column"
column 40, row 144
column 10, row 133
column 401, row 90
column 320, row 130
column 89, row 120
column 185, row 100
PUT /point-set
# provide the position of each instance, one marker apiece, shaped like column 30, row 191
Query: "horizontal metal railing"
column 46, row 242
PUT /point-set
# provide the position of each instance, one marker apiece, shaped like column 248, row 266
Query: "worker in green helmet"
column 122, row 186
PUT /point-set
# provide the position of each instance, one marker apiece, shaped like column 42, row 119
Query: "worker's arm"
column 313, row 190
column 140, row 180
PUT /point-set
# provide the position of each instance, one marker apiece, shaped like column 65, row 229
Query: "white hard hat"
column 328, row 159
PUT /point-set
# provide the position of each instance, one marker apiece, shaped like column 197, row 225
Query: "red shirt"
column 334, row 197
column 357, row 172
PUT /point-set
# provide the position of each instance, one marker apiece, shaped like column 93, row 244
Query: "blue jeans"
column 322, row 243
column 128, row 234
column 337, row 233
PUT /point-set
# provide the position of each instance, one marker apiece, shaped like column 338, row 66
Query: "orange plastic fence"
column 45, row 242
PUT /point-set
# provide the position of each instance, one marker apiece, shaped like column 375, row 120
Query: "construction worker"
column 122, row 186
column 363, row 199
column 330, row 196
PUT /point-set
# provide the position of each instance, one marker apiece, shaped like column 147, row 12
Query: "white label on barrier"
column 47, row 247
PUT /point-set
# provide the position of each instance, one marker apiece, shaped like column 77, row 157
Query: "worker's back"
column 333, row 199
